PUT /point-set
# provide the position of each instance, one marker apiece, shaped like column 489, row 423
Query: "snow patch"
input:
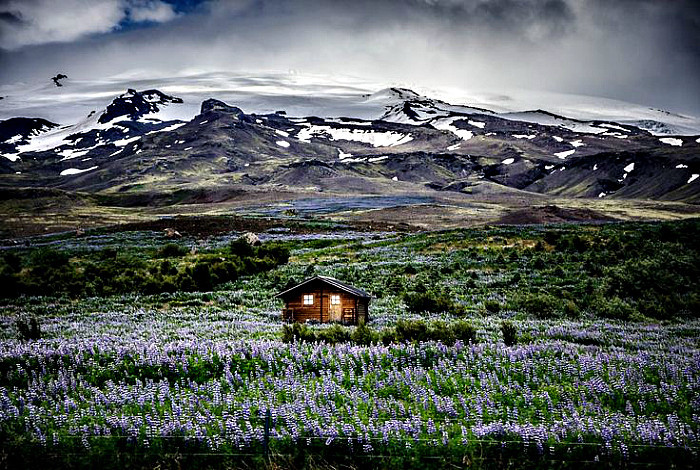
column 548, row 167
column 169, row 128
column 508, row 161
column 123, row 142
column 377, row 159
column 69, row 154
column 629, row 167
column 374, row 138
column 282, row 143
column 14, row 139
column 595, row 167
column 343, row 155
column 75, row 171
column 602, row 194
column 693, row 178
column 453, row 147
column 565, row 154
column 612, row 126
column 680, row 165
column 672, row 141
column 446, row 125
column 282, row 133
column 525, row 136
column 577, row 143
column 478, row 124
column 396, row 178
column 557, row 138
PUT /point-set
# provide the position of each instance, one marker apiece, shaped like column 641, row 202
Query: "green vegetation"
column 406, row 331
column 104, row 272
column 541, row 347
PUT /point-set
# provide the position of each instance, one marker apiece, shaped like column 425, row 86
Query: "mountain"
column 392, row 141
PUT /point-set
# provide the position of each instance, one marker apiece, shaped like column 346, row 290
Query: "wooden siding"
column 321, row 308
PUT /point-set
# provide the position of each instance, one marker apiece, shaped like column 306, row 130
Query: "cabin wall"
column 320, row 310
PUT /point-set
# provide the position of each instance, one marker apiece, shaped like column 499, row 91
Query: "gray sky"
column 643, row 51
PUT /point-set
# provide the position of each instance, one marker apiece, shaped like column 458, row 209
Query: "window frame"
column 335, row 299
column 307, row 299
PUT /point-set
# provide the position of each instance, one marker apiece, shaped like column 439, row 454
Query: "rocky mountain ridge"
column 417, row 142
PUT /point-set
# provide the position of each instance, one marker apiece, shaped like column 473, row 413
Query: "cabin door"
column 335, row 309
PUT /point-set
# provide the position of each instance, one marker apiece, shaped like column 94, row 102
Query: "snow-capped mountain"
column 302, row 134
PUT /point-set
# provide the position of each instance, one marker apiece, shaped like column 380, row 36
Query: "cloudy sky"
column 643, row 51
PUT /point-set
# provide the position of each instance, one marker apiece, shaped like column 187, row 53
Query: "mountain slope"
column 132, row 145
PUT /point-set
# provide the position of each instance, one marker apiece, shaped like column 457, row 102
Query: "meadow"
column 536, row 347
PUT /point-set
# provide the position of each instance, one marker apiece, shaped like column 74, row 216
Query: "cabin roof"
column 330, row 281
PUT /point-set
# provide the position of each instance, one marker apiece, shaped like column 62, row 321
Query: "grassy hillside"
column 544, row 347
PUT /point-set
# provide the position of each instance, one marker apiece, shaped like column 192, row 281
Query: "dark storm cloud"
column 646, row 51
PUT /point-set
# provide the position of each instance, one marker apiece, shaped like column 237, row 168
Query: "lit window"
column 335, row 300
column 308, row 299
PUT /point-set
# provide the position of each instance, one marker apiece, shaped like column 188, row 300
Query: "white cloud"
column 151, row 10
column 31, row 22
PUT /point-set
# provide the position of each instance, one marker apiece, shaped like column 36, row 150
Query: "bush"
column 297, row 332
column 201, row 276
column 408, row 331
column 464, row 331
column 363, row 335
column 614, row 307
column 172, row 250
column 510, row 333
column 539, row 304
column 241, row 248
column 334, row 335
column 419, row 302
column 48, row 258
column 571, row 310
column 492, row 306
column 28, row 330
column 388, row 336
column 441, row 332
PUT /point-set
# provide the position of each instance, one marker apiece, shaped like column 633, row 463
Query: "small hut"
column 325, row 299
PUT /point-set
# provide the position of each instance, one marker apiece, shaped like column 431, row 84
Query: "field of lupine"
column 596, row 376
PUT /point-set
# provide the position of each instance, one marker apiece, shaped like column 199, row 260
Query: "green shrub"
column 510, row 333
column 614, row 307
column 201, row 276
column 464, row 331
column 419, row 302
column 333, row 335
column 172, row 250
column 48, row 258
column 492, row 306
column 539, row 304
column 388, row 336
column 28, row 330
column 297, row 332
column 409, row 331
column 363, row 335
column 241, row 248
column 439, row 331
column 571, row 310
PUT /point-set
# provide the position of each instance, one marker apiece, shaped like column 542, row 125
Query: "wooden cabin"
column 325, row 299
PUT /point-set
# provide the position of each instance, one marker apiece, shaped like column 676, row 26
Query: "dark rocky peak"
column 405, row 93
column 212, row 105
column 24, row 127
column 17, row 131
column 135, row 104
